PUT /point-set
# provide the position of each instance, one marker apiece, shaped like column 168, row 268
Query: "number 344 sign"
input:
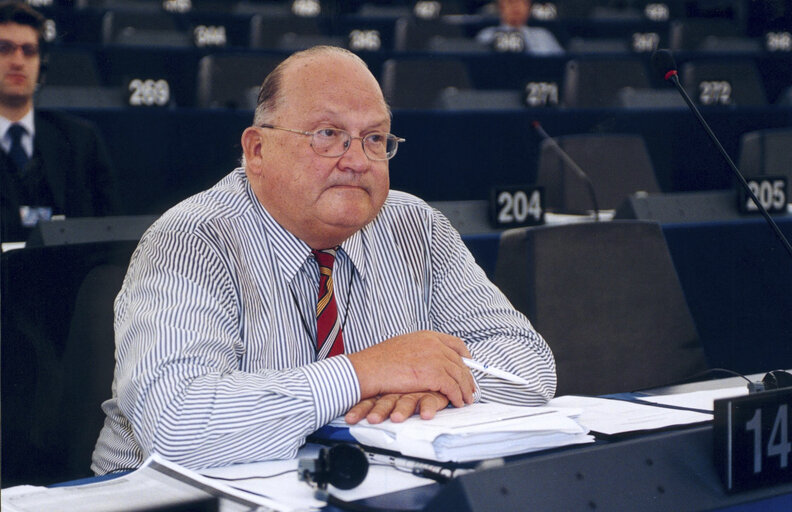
column 753, row 442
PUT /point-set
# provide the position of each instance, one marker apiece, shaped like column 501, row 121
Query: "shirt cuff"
column 335, row 388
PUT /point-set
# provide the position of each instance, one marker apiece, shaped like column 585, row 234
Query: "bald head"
column 271, row 95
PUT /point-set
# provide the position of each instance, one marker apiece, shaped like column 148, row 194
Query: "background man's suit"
column 69, row 171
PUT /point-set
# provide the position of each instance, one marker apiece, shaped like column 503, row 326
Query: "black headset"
column 345, row 466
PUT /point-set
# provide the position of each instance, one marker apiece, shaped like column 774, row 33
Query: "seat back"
column 702, row 33
column 767, row 152
column 418, row 83
column 57, row 357
column 413, row 34
column 617, row 165
column 225, row 79
column 596, row 81
column 724, row 82
column 266, row 30
column 608, row 301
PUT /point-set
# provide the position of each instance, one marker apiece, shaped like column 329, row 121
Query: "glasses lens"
column 30, row 50
column 8, row 47
column 330, row 142
column 376, row 146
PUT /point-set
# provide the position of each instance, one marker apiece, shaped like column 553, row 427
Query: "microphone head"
column 663, row 63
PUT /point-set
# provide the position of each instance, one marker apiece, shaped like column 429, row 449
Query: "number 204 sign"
column 516, row 206
column 753, row 442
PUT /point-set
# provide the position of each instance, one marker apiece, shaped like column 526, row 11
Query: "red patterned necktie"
column 329, row 339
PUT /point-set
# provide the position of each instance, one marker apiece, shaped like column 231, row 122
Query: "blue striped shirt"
column 215, row 327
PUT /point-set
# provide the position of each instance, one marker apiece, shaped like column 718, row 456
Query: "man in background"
column 514, row 34
column 51, row 164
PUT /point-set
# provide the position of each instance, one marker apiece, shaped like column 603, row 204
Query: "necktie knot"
column 16, row 151
column 16, row 131
column 325, row 257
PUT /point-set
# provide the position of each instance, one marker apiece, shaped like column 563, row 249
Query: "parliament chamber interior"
column 171, row 85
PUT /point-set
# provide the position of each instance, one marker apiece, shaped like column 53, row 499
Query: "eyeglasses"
column 332, row 142
column 9, row 48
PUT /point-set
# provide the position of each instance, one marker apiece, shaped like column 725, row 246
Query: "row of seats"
column 162, row 158
column 656, row 10
column 406, row 33
column 619, row 165
column 88, row 77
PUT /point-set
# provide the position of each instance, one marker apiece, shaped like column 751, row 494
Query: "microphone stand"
column 672, row 75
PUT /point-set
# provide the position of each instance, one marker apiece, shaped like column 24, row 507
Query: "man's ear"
column 252, row 147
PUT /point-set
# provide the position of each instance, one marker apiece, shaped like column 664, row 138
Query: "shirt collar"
column 26, row 122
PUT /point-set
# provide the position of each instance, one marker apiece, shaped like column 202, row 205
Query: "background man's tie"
column 16, row 151
column 329, row 341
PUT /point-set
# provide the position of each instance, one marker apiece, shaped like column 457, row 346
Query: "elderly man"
column 299, row 289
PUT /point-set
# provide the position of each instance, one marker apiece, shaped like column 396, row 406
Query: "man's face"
column 514, row 13
column 18, row 72
column 322, row 200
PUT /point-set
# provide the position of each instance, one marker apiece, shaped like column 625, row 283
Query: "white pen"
column 483, row 367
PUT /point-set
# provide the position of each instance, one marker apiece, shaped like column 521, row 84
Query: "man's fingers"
column 429, row 404
column 359, row 410
column 382, row 408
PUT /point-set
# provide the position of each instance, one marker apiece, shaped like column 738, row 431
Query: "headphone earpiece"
column 344, row 466
column 777, row 379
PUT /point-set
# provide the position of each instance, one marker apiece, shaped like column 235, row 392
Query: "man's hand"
column 397, row 407
column 416, row 362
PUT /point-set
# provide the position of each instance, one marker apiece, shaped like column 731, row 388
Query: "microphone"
column 571, row 163
column 663, row 63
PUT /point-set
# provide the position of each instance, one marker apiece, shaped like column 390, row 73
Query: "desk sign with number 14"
column 753, row 443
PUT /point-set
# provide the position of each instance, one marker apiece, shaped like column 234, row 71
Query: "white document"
column 607, row 416
column 702, row 400
column 475, row 432
column 156, row 483
column 278, row 480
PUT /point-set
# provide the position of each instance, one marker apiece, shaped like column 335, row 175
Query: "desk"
column 737, row 280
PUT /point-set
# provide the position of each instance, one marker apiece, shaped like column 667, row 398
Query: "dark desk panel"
column 737, row 280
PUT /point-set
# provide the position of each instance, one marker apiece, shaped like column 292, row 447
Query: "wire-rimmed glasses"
column 332, row 142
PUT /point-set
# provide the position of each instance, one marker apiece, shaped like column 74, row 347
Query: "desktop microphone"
column 663, row 63
column 571, row 163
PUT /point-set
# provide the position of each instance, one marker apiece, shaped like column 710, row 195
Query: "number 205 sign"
column 516, row 206
column 753, row 442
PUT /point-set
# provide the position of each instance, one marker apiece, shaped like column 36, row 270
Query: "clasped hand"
column 419, row 372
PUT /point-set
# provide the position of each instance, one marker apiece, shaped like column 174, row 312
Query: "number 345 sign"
column 753, row 441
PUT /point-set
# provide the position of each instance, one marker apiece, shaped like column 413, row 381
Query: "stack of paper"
column 475, row 432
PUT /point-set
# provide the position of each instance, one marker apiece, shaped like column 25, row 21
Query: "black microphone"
column 571, row 163
column 663, row 63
